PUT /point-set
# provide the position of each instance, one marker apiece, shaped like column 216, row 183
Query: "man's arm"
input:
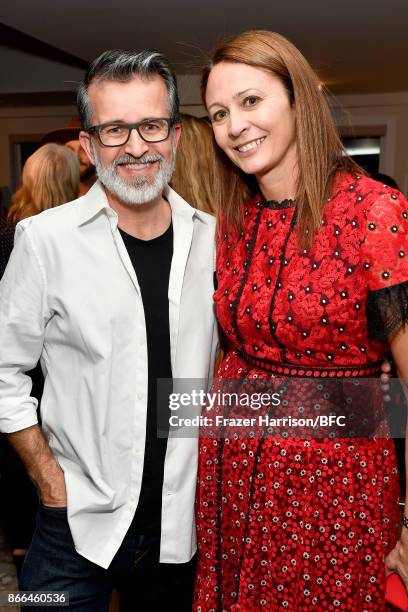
column 24, row 315
column 42, row 467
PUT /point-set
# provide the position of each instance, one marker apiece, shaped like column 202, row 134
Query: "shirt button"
column 140, row 396
column 141, row 341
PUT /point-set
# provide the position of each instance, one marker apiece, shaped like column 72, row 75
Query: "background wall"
column 27, row 123
column 367, row 114
column 381, row 113
column 45, row 48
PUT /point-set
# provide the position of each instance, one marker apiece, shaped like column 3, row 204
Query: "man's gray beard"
column 139, row 189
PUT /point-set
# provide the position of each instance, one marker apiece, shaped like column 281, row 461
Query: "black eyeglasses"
column 117, row 134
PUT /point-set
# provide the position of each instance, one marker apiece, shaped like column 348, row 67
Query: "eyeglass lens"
column 151, row 131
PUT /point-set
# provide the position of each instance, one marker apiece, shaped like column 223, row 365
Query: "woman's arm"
column 397, row 560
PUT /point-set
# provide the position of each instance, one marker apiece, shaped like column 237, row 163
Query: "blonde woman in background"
column 50, row 177
column 193, row 174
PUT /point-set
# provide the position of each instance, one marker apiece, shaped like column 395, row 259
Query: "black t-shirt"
column 151, row 260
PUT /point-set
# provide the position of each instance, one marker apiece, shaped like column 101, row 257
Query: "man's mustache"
column 146, row 158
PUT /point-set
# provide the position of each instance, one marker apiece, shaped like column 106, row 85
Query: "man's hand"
column 51, row 487
column 42, row 467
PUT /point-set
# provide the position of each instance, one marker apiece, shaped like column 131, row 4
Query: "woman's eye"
column 219, row 115
column 251, row 101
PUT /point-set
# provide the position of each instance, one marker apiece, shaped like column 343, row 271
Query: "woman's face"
column 252, row 119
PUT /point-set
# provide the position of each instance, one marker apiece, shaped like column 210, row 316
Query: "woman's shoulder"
column 369, row 197
column 351, row 182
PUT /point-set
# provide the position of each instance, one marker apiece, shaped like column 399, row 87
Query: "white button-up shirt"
column 70, row 297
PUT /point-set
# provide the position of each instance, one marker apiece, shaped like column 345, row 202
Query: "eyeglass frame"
column 94, row 129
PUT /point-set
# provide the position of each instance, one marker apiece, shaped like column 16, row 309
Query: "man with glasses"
column 113, row 292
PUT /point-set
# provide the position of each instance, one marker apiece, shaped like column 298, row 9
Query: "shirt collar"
column 92, row 203
column 180, row 206
column 95, row 200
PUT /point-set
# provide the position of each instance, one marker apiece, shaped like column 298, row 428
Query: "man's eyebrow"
column 115, row 121
column 121, row 122
column 237, row 95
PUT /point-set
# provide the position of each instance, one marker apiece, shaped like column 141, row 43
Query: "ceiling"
column 357, row 46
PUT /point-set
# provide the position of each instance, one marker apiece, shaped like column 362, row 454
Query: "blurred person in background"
column 86, row 168
column 69, row 137
column 50, row 177
column 385, row 179
column 193, row 174
column 6, row 239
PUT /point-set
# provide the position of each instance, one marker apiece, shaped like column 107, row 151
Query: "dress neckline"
column 276, row 205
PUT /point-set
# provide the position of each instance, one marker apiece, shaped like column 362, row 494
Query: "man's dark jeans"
column 144, row 584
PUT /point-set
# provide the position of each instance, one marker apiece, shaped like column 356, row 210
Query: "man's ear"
column 85, row 140
column 177, row 133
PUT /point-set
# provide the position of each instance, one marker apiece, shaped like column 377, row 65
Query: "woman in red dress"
column 312, row 276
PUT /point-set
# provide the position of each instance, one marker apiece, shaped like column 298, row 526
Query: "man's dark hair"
column 122, row 65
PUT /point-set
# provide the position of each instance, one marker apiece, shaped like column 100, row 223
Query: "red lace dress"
column 296, row 523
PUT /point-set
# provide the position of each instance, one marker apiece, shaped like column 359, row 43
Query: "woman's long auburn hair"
column 50, row 177
column 320, row 151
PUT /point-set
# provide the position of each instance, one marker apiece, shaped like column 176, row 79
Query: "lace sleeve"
column 384, row 246
column 387, row 310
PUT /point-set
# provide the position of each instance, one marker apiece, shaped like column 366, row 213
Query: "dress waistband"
column 289, row 369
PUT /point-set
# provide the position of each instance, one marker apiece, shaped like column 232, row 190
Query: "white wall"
column 28, row 122
column 389, row 111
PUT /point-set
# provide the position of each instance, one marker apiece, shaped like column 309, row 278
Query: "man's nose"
column 136, row 146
